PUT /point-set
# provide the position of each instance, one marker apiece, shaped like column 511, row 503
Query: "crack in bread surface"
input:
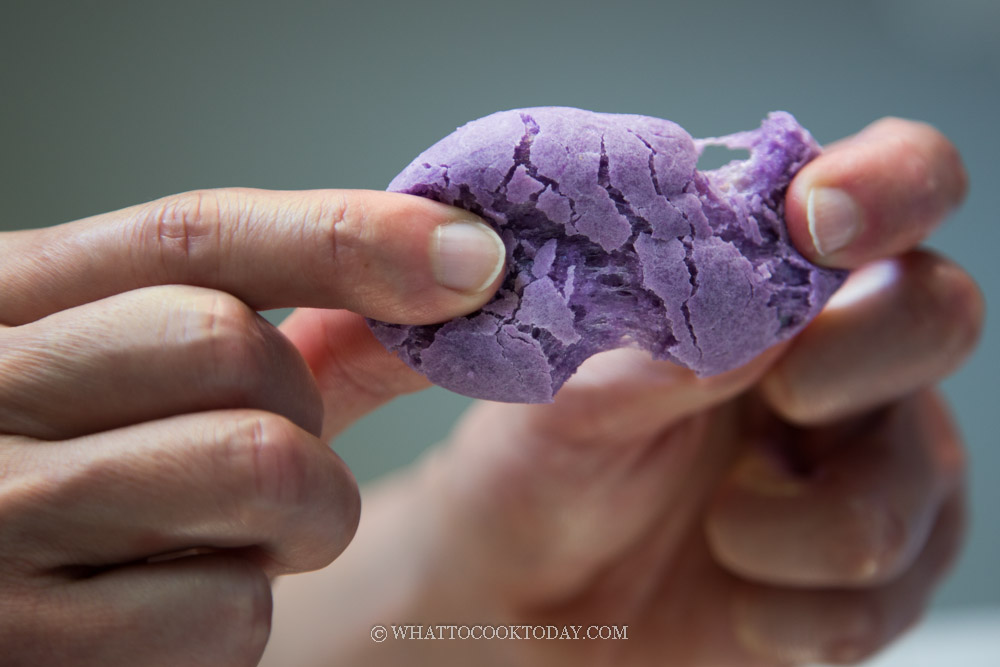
column 613, row 238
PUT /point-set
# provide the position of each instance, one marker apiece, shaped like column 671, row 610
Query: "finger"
column 623, row 396
column 148, row 354
column 792, row 626
column 244, row 480
column 896, row 325
column 201, row 611
column 623, row 393
column 875, row 195
column 355, row 373
column 860, row 512
column 394, row 257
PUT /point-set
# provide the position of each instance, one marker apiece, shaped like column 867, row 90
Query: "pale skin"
column 165, row 459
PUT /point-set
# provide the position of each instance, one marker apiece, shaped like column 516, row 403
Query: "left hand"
column 148, row 413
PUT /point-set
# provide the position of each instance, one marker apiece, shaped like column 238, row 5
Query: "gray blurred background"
column 107, row 104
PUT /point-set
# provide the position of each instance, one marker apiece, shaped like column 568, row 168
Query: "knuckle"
column 23, row 365
column 332, row 222
column 342, row 218
column 284, row 480
column 25, row 494
column 230, row 335
column 241, row 360
column 180, row 226
column 345, row 227
column 273, row 463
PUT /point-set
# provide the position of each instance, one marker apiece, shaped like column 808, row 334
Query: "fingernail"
column 466, row 256
column 834, row 219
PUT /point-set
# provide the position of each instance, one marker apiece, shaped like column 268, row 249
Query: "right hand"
column 799, row 509
column 161, row 445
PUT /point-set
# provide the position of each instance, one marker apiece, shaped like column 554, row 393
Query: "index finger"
column 394, row 257
column 874, row 195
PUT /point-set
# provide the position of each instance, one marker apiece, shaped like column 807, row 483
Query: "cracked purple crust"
column 614, row 239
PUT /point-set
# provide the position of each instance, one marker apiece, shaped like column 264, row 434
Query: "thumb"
column 876, row 194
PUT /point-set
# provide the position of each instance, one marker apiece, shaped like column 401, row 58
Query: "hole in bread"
column 713, row 157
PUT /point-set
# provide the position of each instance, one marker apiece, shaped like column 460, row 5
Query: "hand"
column 801, row 508
column 160, row 443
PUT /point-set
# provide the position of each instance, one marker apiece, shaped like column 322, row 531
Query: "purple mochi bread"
column 614, row 239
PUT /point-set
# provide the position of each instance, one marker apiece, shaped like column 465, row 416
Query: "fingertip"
column 896, row 325
column 875, row 195
column 414, row 260
column 826, row 221
column 960, row 296
column 926, row 138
